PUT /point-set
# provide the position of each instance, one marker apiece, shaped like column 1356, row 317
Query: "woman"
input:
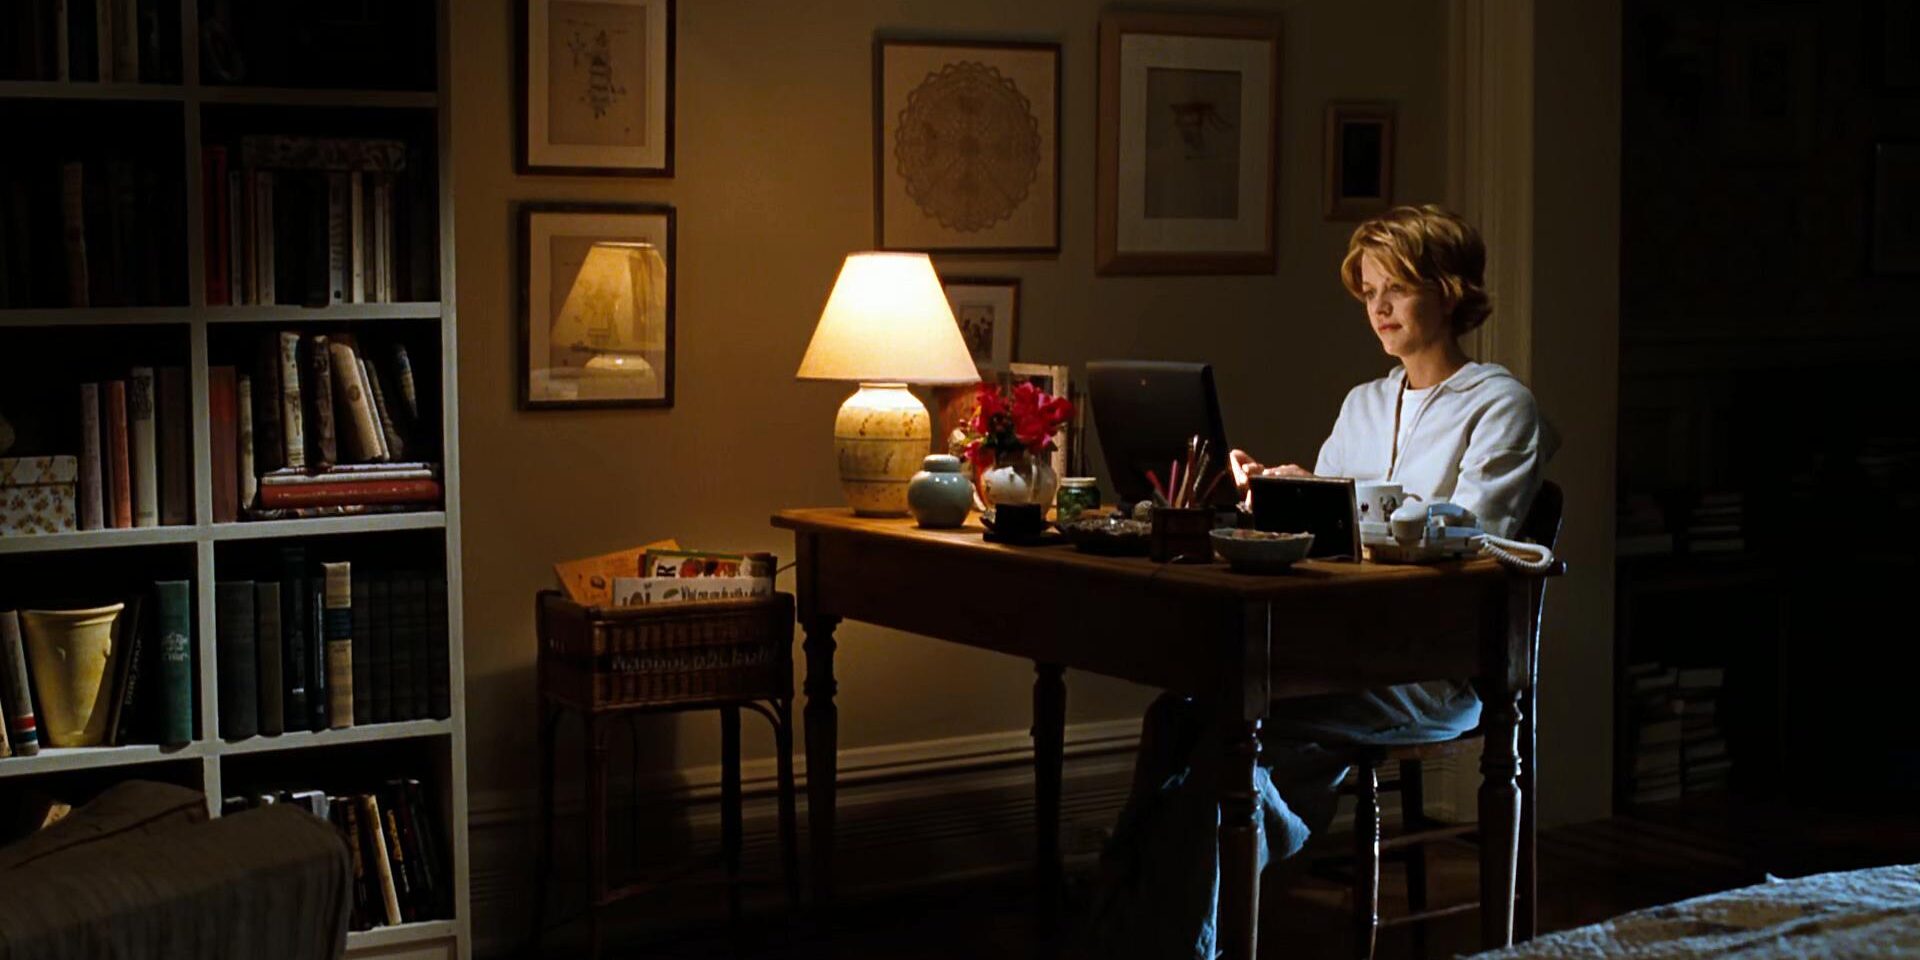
column 1441, row 426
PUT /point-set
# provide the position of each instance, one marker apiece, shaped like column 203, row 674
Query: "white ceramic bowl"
column 1257, row 551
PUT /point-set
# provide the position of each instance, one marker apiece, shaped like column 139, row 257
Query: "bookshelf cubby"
column 357, row 71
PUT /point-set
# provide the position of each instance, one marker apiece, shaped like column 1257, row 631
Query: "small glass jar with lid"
column 1077, row 494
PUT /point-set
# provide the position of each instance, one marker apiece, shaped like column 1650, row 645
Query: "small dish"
column 1110, row 535
column 1259, row 551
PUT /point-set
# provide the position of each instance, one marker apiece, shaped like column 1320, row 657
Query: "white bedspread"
column 1861, row 913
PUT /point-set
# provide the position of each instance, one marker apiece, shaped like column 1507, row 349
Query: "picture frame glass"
column 599, row 324
column 988, row 314
column 1194, row 165
column 966, row 146
column 597, row 92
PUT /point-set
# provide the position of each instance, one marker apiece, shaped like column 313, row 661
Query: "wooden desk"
column 1239, row 641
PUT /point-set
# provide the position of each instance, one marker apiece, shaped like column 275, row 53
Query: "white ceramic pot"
column 1023, row 479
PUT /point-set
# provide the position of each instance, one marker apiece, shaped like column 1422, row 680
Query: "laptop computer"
column 1322, row 506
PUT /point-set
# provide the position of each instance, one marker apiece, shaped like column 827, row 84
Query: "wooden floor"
column 1588, row 872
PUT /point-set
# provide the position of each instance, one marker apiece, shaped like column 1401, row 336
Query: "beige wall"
column 774, row 186
column 1576, row 351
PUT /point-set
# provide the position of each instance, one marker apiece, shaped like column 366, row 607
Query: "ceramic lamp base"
column 880, row 436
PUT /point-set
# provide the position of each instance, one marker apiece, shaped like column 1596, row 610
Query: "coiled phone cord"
column 1509, row 553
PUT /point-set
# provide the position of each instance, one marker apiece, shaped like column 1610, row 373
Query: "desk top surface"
column 1213, row 577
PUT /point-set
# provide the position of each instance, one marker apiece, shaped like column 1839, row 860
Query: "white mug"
column 1377, row 501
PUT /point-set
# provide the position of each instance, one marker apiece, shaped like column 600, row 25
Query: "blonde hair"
column 1427, row 246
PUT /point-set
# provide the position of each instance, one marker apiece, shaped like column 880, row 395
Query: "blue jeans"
column 1160, row 873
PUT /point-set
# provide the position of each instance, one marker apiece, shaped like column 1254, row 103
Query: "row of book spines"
column 98, row 239
column 381, row 655
column 394, row 846
column 107, row 41
column 134, row 461
column 302, row 385
column 355, row 262
column 139, row 662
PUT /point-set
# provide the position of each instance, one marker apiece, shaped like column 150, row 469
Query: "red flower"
column 1003, row 424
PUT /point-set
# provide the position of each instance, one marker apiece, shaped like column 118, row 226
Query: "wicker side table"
column 612, row 662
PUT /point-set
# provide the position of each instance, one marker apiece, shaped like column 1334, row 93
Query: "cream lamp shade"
column 886, row 324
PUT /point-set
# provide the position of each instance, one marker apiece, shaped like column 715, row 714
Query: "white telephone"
column 1441, row 529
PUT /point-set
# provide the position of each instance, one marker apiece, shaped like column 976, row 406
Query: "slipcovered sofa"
column 142, row 872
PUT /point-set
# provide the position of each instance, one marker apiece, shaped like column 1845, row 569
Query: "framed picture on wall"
column 596, row 305
column 1359, row 160
column 1189, row 131
column 966, row 153
column 595, row 87
column 988, row 311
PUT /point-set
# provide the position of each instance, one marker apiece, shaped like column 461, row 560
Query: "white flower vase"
column 1025, row 478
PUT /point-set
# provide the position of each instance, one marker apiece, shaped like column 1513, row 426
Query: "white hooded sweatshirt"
column 1475, row 439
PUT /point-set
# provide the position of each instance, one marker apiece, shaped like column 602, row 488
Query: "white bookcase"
column 441, row 744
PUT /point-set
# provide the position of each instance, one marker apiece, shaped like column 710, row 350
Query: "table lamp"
column 886, row 324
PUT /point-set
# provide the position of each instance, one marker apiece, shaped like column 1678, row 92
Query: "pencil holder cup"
column 1180, row 535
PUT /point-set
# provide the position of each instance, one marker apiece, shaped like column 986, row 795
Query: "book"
column 176, row 453
column 352, row 471
column 293, row 630
column 338, row 625
column 418, row 490
column 236, row 658
column 339, row 222
column 133, row 708
column 382, row 866
column 362, row 659
column 403, row 378
column 319, row 386
column 143, row 451
column 92, row 499
column 348, row 814
column 404, row 641
column 643, row 591
column 402, row 875
column 213, row 176
column 439, row 658
column 262, row 249
column 380, row 648
column 74, row 216
column 338, row 510
column 418, row 898
column 269, row 653
column 223, row 441
column 175, row 617
column 292, row 425
column 357, row 221
column 23, row 730
column 120, row 482
column 391, row 446
column 427, row 846
column 243, row 446
column 127, row 626
column 360, row 434
column 322, row 153
column 383, row 263
column 319, row 679
column 589, row 581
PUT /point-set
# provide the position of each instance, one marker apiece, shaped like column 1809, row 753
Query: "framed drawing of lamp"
column 595, row 87
column 1189, row 129
column 596, row 305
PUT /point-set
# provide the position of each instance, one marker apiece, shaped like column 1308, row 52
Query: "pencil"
column 1159, row 492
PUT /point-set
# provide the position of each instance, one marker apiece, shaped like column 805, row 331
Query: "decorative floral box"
column 37, row 494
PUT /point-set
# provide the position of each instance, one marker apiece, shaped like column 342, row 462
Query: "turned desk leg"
column 823, row 722
column 543, row 868
column 1049, row 757
column 1499, row 813
column 1526, row 911
column 1238, row 913
column 596, row 830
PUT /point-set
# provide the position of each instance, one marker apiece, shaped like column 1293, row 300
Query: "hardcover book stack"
column 149, row 688
column 395, row 845
column 1704, row 763
column 86, row 232
column 307, row 220
column 1658, row 729
column 320, row 426
column 109, row 41
column 329, row 647
column 134, row 467
column 1715, row 526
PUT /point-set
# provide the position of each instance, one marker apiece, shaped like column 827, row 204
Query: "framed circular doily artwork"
column 966, row 149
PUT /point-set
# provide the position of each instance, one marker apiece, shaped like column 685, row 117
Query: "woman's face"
column 1408, row 319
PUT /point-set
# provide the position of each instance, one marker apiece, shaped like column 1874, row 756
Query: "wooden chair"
column 1542, row 526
